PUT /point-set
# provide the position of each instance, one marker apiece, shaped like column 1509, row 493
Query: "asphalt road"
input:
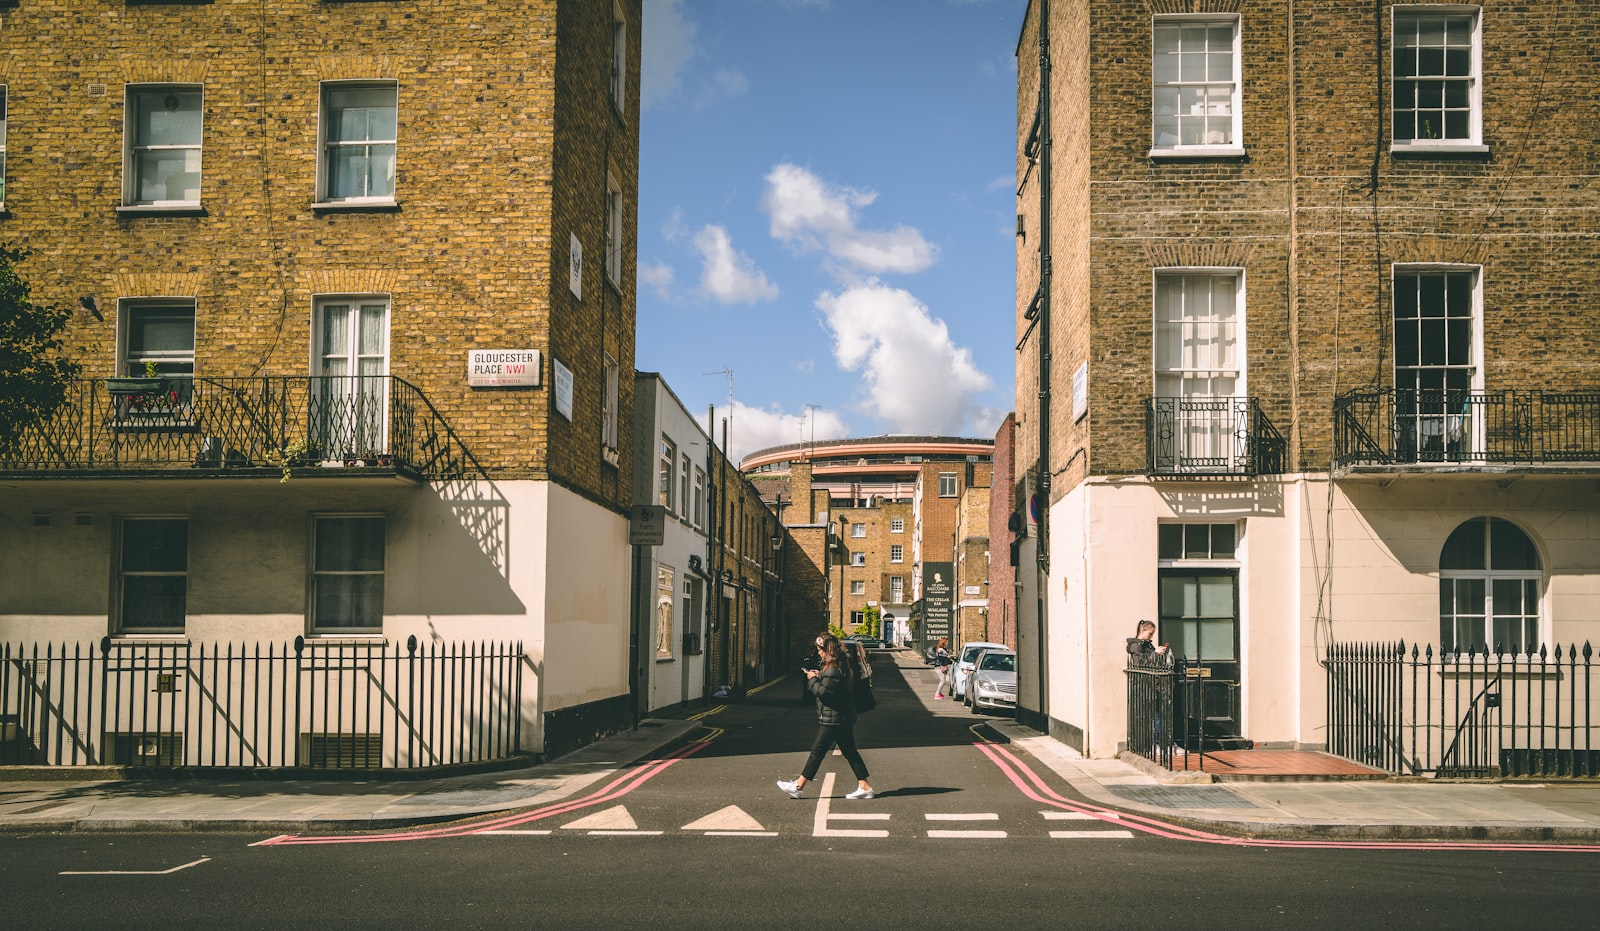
column 976, row 836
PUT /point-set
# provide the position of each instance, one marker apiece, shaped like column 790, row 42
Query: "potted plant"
column 151, row 395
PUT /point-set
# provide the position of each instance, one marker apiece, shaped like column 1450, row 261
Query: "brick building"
column 381, row 250
column 1005, row 520
column 1308, row 291
column 889, row 505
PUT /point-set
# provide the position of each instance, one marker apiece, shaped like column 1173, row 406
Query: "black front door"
column 1200, row 621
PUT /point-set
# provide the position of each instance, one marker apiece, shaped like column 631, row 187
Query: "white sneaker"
column 857, row 794
column 788, row 788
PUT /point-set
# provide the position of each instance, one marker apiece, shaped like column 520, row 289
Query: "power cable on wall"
column 266, row 194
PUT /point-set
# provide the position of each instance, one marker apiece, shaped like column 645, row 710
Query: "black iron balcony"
column 377, row 423
column 1391, row 426
column 1211, row 436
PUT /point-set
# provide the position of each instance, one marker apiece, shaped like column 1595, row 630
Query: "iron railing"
column 1211, row 436
column 1170, row 700
column 229, row 424
column 1393, row 426
column 340, row 705
column 1412, row 711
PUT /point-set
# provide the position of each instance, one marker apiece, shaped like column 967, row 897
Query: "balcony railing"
column 234, row 424
column 1211, row 436
column 1406, row 427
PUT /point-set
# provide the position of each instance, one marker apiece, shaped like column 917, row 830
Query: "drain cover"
column 1181, row 796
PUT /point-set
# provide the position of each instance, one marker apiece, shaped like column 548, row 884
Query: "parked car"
column 992, row 681
column 969, row 652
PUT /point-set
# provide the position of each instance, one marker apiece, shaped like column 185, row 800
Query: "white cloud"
column 657, row 276
column 808, row 213
column 723, row 84
column 669, row 44
column 729, row 276
column 914, row 376
column 756, row 428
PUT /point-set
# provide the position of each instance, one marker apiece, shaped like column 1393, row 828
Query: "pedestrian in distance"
column 833, row 686
column 942, row 663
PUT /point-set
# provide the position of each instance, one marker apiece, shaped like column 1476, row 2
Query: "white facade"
column 672, row 588
column 1359, row 562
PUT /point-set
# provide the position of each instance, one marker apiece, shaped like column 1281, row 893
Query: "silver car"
column 992, row 681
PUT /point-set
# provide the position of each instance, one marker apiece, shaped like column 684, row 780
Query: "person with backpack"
column 833, row 685
column 942, row 662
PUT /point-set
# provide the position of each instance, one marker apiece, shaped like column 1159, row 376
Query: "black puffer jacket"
column 835, row 693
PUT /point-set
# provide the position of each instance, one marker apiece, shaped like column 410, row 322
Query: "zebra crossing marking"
column 819, row 824
column 1098, row 835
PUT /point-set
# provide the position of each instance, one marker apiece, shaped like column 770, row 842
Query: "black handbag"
column 865, row 699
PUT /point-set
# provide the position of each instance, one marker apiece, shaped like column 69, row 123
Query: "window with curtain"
column 359, row 126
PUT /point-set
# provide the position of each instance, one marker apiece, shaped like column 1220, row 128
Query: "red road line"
column 614, row 789
column 1018, row 771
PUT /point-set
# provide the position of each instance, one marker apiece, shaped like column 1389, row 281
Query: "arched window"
column 1489, row 578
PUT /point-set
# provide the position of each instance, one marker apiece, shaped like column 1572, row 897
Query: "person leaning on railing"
column 1144, row 651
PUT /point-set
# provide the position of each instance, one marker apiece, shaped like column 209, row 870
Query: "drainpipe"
column 1042, row 467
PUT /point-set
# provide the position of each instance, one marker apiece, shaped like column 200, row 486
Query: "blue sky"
column 827, row 207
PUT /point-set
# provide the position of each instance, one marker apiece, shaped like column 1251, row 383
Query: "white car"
column 992, row 683
column 969, row 652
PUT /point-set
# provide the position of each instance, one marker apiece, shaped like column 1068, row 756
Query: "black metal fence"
column 1401, row 426
column 1413, row 711
column 1211, row 436
column 1168, row 698
column 177, row 704
column 374, row 421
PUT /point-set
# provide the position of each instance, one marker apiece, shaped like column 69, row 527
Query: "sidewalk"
column 307, row 806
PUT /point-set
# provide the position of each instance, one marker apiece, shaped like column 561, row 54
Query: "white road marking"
column 974, row 834
column 819, row 825
column 741, row 833
column 615, row 818
column 132, row 872
column 1072, row 835
column 624, row 833
column 732, row 818
column 1067, row 816
column 978, row 816
column 861, row 816
column 510, row 831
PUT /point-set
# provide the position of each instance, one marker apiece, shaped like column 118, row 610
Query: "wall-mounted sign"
column 503, row 368
column 647, row 525
column 563, row 380
column 971, row 590
column 575, row 267
column 938, row 597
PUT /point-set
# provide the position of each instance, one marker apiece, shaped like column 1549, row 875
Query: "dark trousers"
column 827, row 735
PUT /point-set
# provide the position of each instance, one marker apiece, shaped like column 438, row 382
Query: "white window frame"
column 699, row 497
column 897, row 525
column 609, row 416
column 1204, row 432
column 133, row 148
column 1489, row 576
column 169, row 363
column 325, row 141
column 124, row 574
column 316, row 574
column 897, row 589
column 666, row 463
column 685, row 477
column 858, row 586
column 665, row 621
column 858, row 559
column 949, row 480
column 613, row 222
column 1403, row 18
column 364, row 427
column 617, row 88
column 897, row 552
column 1458, row 427
column 1170, row 144
column 858, row 531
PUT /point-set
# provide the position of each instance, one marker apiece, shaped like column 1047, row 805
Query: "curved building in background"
column 906, row 525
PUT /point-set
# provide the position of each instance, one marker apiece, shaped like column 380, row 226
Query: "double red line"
column 1032, row 786
column 612, row 790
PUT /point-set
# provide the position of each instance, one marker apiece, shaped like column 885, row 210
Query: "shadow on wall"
column 1235, row 500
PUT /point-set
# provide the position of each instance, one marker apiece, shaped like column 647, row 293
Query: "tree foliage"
column 34, row 375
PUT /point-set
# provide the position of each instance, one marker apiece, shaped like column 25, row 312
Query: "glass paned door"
column 1434, row 369
column 351, row 391
column 1200, row 620
column 1197, row 366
